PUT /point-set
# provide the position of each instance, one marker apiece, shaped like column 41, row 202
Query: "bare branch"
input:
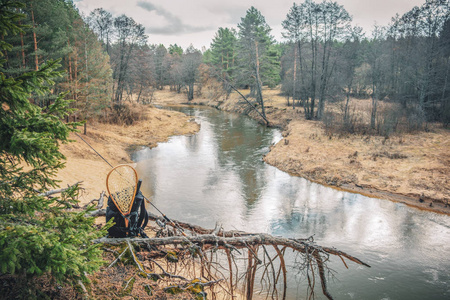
column 57, row 191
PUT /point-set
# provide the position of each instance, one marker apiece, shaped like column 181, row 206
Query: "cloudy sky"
column 195, row 21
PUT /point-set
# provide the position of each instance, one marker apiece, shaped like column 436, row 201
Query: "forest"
column 60, row 68
column 322, row 59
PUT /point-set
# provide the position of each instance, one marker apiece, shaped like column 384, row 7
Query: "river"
column 218, row 175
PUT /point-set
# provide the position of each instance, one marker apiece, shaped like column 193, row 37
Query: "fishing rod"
column 145, row 198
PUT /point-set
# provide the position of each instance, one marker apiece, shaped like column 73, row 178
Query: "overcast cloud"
column 175, row 25
column 195, row 21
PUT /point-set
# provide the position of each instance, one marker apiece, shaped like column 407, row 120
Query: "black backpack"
column 137, row 219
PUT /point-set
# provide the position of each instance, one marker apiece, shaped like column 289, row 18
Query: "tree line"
column 326, row 59
column 405, row 63
column 322, row 59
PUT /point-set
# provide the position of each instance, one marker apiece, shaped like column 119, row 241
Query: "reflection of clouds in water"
column 218, row 175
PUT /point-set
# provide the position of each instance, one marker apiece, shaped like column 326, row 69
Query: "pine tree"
column 175, row 50
column 223, row 51
column 254, row 42
column 37, row 234
column 89, row 74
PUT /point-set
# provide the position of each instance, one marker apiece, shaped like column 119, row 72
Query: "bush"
column 335, row 123
column 390, row 119
column 124, row 114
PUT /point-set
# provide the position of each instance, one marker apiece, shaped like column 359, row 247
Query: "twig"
column 217, row 229
column 83, row 288
column 283, row 267
column 343, row 261
column 135, row 259
column 110, row 250
column 101, row 200
column 253, row 252
column 349, row 257
column 230, row 266
column 321, row 269
column 166, row 274
column 97, row 213
column 118, row 258
column 128, row 282
column 57, row 191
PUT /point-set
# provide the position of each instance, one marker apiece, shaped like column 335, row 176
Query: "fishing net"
column 121, row 183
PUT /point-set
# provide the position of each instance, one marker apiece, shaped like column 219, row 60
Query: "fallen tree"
column 220, row 255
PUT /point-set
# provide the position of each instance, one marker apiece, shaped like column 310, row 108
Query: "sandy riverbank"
column 113, row 142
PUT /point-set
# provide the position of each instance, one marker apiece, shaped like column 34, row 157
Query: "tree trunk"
column 36, row 61
column 190, row 92
column 302, row 81
column 75, row 74
column 87, row 74
column 346, row 116
column 295, row 76
column 22, row 48
column 140, row 92
column 258, row 82
column 69, row 59
column 373, row 113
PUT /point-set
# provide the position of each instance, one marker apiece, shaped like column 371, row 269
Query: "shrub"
column 124, row 114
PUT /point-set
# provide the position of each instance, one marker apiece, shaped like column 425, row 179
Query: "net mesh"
column 121, row 184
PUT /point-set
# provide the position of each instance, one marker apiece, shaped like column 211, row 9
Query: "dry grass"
column 410, row 165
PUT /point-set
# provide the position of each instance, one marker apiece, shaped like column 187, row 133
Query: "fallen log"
column 243, row 97
column 232, row 237
column 233, row 240
column 229, row 241
column 236, row 242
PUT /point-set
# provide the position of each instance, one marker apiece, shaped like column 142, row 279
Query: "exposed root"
column 206, row 250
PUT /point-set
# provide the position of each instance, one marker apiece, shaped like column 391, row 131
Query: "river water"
column 218, row 175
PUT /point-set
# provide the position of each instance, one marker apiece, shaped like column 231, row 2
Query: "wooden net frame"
column 121, row 184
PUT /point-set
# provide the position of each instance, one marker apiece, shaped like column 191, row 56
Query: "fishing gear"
column 121, row 183
column 145, row 198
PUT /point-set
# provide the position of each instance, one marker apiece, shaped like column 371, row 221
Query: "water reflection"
column 218, row 175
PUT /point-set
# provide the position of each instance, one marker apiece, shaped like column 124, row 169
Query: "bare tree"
column 102, row 23
column 192, row 58
column 129, row 35
column 317, row 26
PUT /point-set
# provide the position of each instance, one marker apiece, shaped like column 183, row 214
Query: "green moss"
column 195, row 288
column 172, row 256
column 173, row 290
